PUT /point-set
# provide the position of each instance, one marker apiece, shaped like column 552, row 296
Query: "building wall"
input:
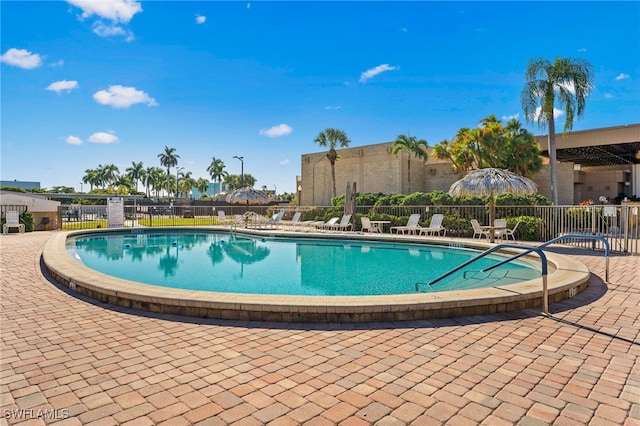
column 375, row 169
column 607, row 181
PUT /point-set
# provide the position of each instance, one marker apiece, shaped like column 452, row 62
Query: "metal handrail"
column 543, row 267
column 555, row 240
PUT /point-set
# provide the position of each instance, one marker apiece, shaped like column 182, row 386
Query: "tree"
column 332, row 137
column 91, row 177
column 216, row 171
column 135, row 172
column 108, row 174
column 413, row 145
column 147, row 179
column 492, row 145
column 570, row 82
column 168, row 159
column 202, row 185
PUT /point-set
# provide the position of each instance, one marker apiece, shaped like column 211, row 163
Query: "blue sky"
column 85, row 83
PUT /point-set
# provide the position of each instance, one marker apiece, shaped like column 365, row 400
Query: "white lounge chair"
column 411, row 227
column 343, row 225
column 328, row 224
column 435, row 226
column 367, row 226
column 12, row 221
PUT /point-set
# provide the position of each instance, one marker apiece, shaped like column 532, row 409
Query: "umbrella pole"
column 492, row 218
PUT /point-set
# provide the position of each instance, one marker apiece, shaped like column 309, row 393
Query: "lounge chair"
column 367, row 226
column 435, row 226
column 12, row 221
column 478, row 230
column 222, row 217
column 411, row 227
column 328, row 224
column 293, row 223
column 343, row 225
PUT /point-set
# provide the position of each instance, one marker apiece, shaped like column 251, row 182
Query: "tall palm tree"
column 202, row 185
column 413, row 145
column 147, row 180
column 332, row 137
column 570, row 82
column 107, row 174
column 90, row 177
column 216, row 171
column 168, row 159
column 135, row 172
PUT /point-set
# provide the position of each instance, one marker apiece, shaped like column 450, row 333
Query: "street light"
column 178, row 169
column 241, row 170
column 275, row 191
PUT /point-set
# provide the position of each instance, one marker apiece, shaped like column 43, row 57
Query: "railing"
column 527, row 250
column 619, row 225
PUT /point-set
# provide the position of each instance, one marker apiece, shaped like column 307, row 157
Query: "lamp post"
column 275, row 191
column 178, row 170
column 241, row 170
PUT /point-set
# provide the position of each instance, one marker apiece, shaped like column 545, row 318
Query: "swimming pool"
column 566, row 278
column 220, row 262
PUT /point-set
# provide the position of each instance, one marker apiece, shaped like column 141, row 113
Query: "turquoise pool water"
column 221, row 262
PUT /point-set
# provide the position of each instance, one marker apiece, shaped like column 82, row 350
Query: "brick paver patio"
column 73, row 361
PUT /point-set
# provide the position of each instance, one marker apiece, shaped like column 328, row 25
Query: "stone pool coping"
column 566, row 278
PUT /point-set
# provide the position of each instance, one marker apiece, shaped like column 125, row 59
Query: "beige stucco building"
column 592, row 163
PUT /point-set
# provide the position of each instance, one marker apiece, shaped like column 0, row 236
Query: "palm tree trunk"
column 333, row 179
column 409, row 174
column 552, row 160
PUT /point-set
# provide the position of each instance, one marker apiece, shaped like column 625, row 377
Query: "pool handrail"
column 543, row 267
column 560, row 238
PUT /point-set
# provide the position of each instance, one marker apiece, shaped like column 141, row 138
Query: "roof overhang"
column 599, row 147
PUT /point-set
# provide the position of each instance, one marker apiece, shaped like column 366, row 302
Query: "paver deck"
column 70, row 360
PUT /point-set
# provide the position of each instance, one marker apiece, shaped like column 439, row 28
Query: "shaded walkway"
column 64, row 356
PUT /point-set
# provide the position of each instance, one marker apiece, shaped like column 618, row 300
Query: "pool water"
column 221, row 262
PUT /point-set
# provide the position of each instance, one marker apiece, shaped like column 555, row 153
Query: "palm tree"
column 135, row 172
column 107, row 175
column 202, row 185
column 90, row 177
column 332, row 137
column 147, row 179
column 186, row 183
column 216, row 171
column 168, row 159
column 568, row 80
column 413, row 145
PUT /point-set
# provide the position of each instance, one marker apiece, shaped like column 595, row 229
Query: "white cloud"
column 276, row 131
column 63, row 85
column 334, row 107
column 608, row 96
column 622, row 76
column 57, row 64
column 123, row 97
column 556, row 113
column 510, row 117
column 284, row 162
column 370, row 73
column 74, row 140
column 103, row 137
column 200, row 19
column 113, row 10
column 102, row 30
column 21, row 58
column 568, row 86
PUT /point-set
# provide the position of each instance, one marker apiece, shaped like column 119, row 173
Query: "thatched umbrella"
column 248, row 196
column 492, row 182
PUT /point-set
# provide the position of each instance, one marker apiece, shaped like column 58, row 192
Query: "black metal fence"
column 620, row 225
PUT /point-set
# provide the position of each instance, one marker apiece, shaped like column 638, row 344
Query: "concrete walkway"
column 73, row 361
